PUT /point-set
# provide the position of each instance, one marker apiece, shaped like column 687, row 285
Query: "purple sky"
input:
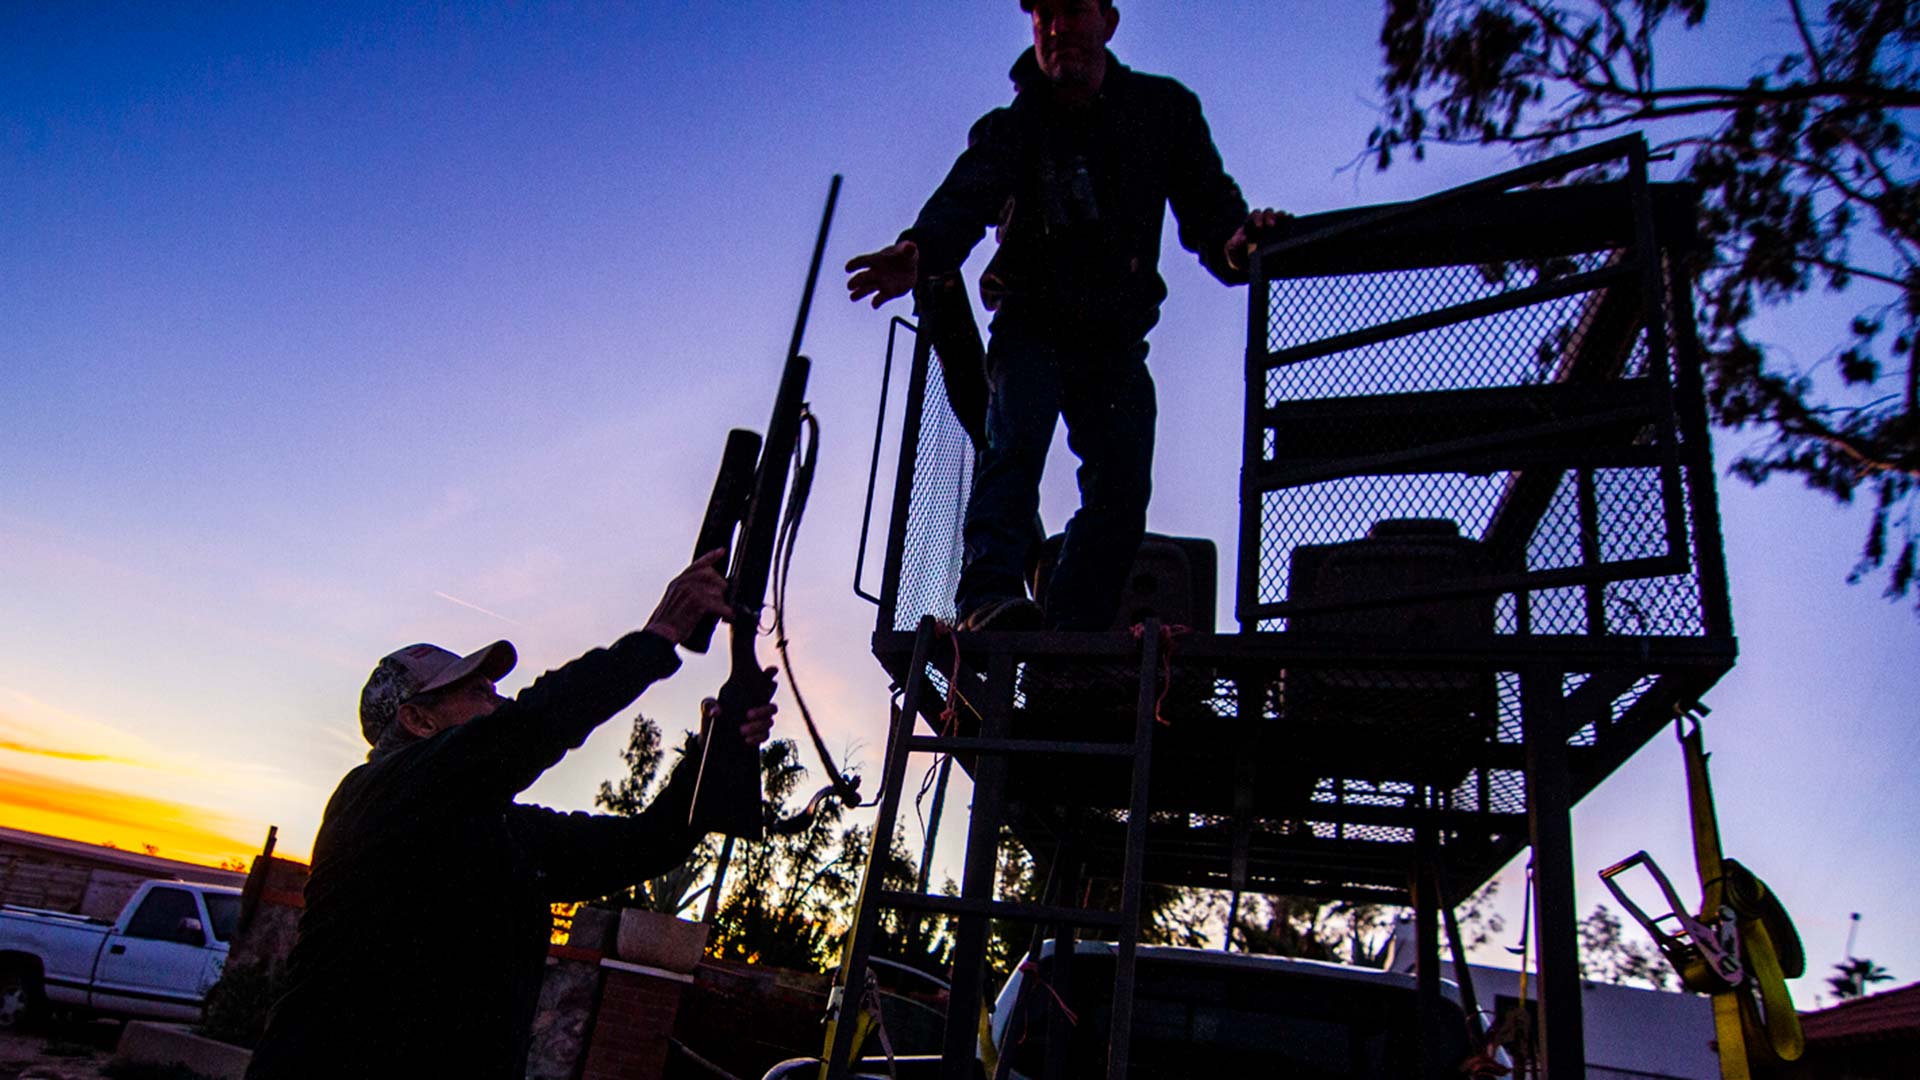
column 335, row 328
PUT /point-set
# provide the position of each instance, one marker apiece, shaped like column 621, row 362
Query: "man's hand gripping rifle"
column 747, row 497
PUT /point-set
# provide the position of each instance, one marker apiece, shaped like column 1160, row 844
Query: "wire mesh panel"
column 937, row 477
column 1303, row 311
column 1492, row 417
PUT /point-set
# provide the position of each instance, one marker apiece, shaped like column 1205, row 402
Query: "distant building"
column 1632, row 1032
column 43, row 871
column 1870, row 1038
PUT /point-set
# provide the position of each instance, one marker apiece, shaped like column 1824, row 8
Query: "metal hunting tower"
column 1479, row 565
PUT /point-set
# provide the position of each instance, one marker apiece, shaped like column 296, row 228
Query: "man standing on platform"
column 1076, row 173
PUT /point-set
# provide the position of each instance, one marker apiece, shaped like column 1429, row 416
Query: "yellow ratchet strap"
column 862, row 1026
column 989, row 1054
column 1737, row 1019
column 839, row 1002
column 1767, row 939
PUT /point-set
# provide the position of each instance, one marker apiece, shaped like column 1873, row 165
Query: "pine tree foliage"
column 673, row 892
column 786, row 894
column 1808, row 181
column 787, row 898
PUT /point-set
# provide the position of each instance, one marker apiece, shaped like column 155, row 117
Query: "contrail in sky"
column 476, row 607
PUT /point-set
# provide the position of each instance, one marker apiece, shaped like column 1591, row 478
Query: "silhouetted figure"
column 424, row 939
column 1077, row 174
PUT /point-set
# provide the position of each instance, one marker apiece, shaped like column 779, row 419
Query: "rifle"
column 747, row 496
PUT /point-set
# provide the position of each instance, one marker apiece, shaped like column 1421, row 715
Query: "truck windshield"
column 224, row 910
column 1198, row 1019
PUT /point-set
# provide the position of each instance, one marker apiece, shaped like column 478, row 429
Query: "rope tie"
column 870, row 1002
column 1032, row 971
column 1165, row 677
column 950, row 715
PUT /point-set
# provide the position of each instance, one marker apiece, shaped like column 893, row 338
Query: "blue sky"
column 332, row 328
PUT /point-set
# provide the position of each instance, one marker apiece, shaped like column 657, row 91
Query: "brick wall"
column 638, row 1009
column 746, row 1017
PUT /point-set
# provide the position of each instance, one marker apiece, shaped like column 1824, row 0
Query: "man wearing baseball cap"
column 424, row 938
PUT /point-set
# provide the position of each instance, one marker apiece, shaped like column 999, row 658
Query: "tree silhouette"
column 1607, row 956
column 1851, row 977
column 673, row 892
column 787, row 899
column 1346, row 932
column 1807, row 177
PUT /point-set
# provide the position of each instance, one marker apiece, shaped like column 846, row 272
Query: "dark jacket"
column 1079, row 194
column 424, row 939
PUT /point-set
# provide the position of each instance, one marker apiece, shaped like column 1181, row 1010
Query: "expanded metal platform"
column 1247, row 796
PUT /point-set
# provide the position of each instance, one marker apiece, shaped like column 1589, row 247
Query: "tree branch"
column 1903, row 229
column 1859, row 90
column 1552, row 29
column 1560, row 128
column 1806, row 40
column 1869, row 457
column 1870, row 275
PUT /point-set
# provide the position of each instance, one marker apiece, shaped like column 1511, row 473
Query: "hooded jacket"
column 1078, row 193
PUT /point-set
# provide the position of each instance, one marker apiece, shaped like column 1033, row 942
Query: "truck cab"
column 157, row 960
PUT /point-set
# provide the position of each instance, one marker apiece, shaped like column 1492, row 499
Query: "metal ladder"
column 975, row 905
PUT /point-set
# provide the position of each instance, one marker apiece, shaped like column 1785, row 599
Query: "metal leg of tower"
column 853, row 969
column 1426, row 934
column 977, row 884
column 1550, row 817
column 971, row 911
column 1120, row 1042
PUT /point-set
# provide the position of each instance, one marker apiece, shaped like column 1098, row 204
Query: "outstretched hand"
column 1251, row 233
column 697, row 593
column 884, row 274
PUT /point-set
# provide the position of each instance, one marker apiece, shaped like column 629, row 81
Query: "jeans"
column 1105, row 394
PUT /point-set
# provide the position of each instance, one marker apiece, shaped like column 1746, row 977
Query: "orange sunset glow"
column 97, row 815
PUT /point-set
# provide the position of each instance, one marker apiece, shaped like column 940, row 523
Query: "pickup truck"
column 156, row 961
column 1201, row 1013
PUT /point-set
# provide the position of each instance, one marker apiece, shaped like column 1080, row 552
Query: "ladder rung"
column 951, row 744
column 997, row 909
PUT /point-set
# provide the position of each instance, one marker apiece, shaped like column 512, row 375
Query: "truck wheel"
column 20, row 1001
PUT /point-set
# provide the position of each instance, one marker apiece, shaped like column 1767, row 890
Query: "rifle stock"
column 726, row 797
column 725, row 507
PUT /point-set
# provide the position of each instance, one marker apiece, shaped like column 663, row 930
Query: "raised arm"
column 498, row 755
column 583, row 856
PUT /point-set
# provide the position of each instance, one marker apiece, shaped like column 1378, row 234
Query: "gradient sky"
column 329, row 328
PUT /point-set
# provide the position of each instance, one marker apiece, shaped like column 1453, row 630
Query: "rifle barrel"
column 813, row 269
column 727, row 796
